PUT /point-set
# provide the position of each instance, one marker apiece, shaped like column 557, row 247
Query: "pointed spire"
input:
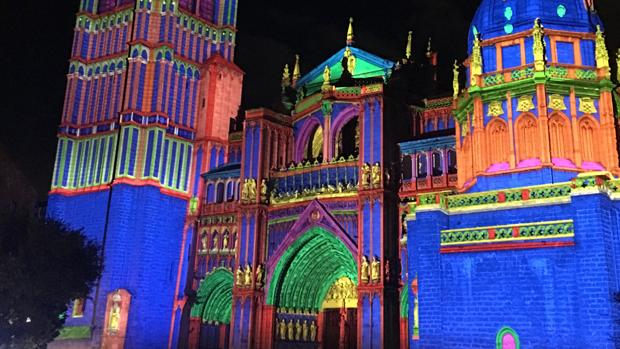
column 409, row 48
column 476, row 61
column 618, row 66
column 350, row 36
column 602, row 56
column 286, row 77
column 296, row 71
column 455, row 80
column 429, row 47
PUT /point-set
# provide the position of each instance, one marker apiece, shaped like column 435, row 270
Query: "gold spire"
column 429, row 48
column 602, row 56
column 408, row 50
column 350, row 36
column 618, row 66
column 476, row 61
column 455, row 80
column 286, row 77
column 539, row 45
column 296, row 70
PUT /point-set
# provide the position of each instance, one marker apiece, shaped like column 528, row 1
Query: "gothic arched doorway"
column 314, row 291
column 211, row 313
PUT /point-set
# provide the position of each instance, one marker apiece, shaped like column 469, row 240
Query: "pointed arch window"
column 314, row 148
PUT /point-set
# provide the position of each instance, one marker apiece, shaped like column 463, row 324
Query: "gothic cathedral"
column 370, row 209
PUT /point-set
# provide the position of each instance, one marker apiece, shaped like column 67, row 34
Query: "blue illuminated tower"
column 150, row 89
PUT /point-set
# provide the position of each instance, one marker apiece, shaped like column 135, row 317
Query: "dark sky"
column 36, row 38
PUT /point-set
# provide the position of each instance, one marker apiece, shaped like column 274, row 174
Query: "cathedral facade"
column 372, row 209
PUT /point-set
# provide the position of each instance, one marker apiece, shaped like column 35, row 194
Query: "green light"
column 508, row 28
column 508, row 13
column 561, row 11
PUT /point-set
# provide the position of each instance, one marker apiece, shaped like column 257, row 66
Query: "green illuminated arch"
column 214, row 298
column 500, row 337
column 308, row 268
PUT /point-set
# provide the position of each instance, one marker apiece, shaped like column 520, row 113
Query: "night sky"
column 36, row 38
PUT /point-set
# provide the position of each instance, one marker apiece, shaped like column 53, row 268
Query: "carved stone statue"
column 205, row 241
column 298, row 330
column 225, row 241
column 240, row 281
column 248, row 276
column 251, row 189
column 365, row 270
column 538, row 46
column 312, row 331
column 115, row 314
column 282, row 329
column 290, row 330
column 375, row 270
column 455, row 81
column 263, row 191
column 375, row 175
column 304, row 330
column 244, row 191
column 365, row 177
column 216, row 240
column 259, row 275
column 327, row 76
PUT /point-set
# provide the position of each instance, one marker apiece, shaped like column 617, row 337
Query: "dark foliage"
column 43, row 266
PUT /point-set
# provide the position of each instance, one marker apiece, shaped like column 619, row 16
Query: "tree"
column 44, row 265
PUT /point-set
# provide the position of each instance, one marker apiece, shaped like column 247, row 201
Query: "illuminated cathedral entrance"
column 314, row 291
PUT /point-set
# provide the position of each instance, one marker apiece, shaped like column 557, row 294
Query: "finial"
column 602, row 56
column 538, row 45
column 296, row 71
column 618, row 66
column 455, row 81
column 429, row 48
column 408, row 50
column 476, row 61
column 350, row 36
column 286, row 77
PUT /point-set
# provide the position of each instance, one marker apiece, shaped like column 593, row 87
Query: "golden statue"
column 327, row 76
column 244, row 191
column 476, row 61
column 259, row 275
column 375, row 175
column 205, row 241
column 375, row 270
column 115, row 314
column 365, row 270
column 312, row 331
column 298, row 330
column 602, row 56
column 240, row 282
column 251, row 189
column 455, row 81
column 282, row 329
column 365, row 178
column 304, row 331
column 225, row 241
column 263, row 190
column 539, row 45
column 290, row 330
column 351, row 60
column 247, row 280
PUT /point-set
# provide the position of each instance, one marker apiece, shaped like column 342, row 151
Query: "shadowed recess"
column 214, row 299
column 308, row 269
